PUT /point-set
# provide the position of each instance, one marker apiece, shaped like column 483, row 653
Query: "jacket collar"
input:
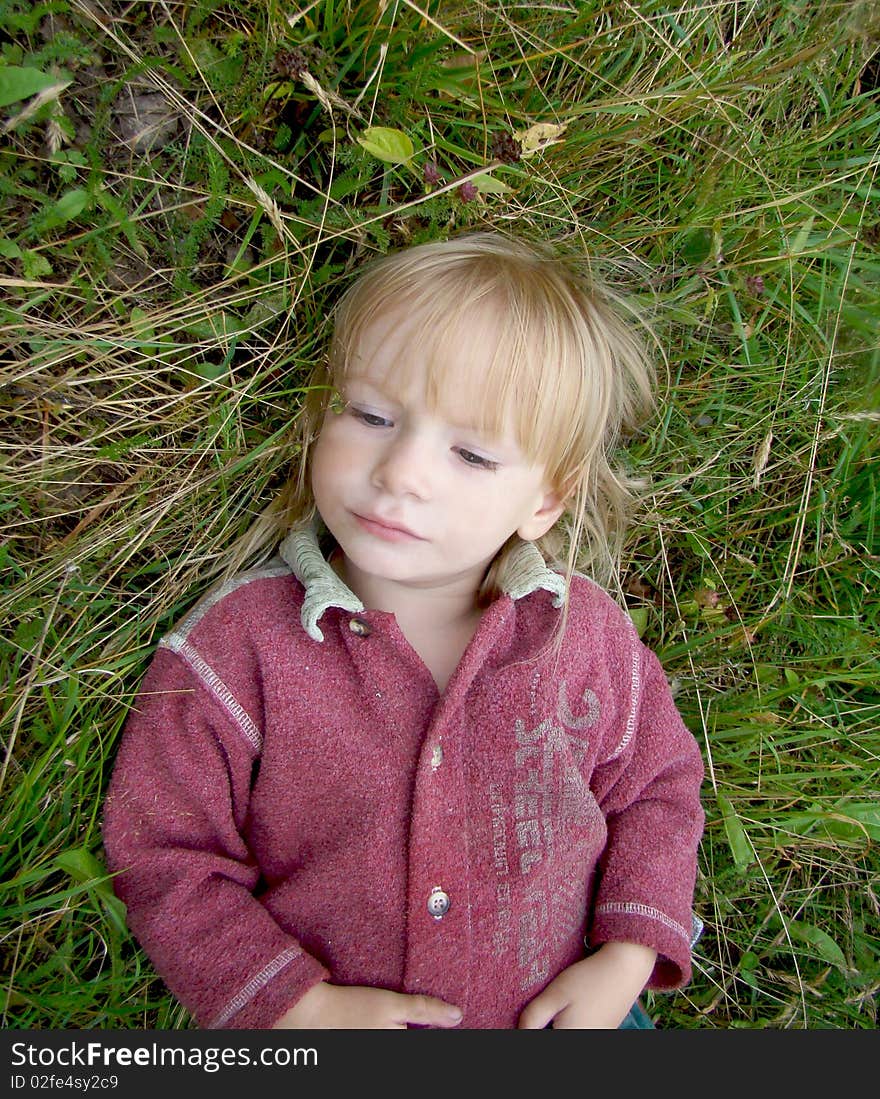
column 525, row 571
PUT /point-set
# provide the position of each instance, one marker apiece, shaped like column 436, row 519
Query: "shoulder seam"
column 212, row 682
column 188, row 623
column 635, row 687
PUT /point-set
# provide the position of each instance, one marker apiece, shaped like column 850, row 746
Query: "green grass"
column 161, row 305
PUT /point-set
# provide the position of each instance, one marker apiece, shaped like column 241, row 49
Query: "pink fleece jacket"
column 293, row 800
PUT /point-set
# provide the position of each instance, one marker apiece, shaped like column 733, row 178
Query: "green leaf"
column 697, row 544
column 209, row 371
column 854, row 821
column 696, row 246
column 392, row 146
column 743, row 856
column 9, row 249
column 266, row 308
column 800, row 241
column 84, row 867
column 211, row 62
column 748, row 963
column 67, row 162
column 141, row 324
column 80, row 864
column 489, row 185
column 820, row 940
column 19, row 83
column 217, row 326
column 639, row 617
column 145, row 332
column 749, row 960
column 283, row 90
column 69, row 206
column 34, row 265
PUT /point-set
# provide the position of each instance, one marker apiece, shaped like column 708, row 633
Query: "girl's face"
column 420, row 497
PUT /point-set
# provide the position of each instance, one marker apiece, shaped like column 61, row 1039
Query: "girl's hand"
column 353, row 1007
column 595, row 993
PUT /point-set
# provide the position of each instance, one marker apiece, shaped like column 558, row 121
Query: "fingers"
column 327, row 1006
column 427, row 1011
column 539, row 1013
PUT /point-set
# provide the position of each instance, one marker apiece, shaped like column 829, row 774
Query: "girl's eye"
column 371, row 419
column 477, row 460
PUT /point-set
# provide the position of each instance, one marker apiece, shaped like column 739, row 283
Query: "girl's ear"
column 542, row 519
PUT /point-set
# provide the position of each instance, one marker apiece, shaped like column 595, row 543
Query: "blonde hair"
column 560, row 365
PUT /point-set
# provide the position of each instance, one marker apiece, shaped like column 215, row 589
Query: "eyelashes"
column 476, row 460
column 371, row 419
column 468, row 457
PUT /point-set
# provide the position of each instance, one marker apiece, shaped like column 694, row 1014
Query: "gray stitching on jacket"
column 255, row 985
column 633, row 908
column 217, row 687
column 635, row 687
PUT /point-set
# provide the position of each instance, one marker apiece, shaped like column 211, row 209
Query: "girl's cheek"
column 336, row 447
column 329, row 434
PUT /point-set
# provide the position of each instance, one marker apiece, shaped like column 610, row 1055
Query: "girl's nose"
column 404, row 468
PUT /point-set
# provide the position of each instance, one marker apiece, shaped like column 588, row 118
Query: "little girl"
column 413, row 772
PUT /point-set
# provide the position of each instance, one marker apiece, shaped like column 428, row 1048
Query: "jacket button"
column 359, row 627
column 438, row 903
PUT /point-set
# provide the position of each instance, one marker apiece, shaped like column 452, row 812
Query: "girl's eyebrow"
column 466, row 427
column 359, row 379
column 470, row 427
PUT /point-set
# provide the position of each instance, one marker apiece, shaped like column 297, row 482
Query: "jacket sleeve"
column 649, row 791
column 173, row 822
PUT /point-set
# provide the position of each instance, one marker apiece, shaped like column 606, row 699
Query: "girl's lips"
column 390, row 532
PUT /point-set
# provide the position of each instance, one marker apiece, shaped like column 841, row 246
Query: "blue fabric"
column 638, row 1019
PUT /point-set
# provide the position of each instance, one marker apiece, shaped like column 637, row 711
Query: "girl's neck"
column 438, row 622
column 415, row 606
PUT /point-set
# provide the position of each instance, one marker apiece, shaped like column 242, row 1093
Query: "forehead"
column 454, row 365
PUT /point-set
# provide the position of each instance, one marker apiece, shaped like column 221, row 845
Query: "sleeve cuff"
column 623, row 921
column 267, row 994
